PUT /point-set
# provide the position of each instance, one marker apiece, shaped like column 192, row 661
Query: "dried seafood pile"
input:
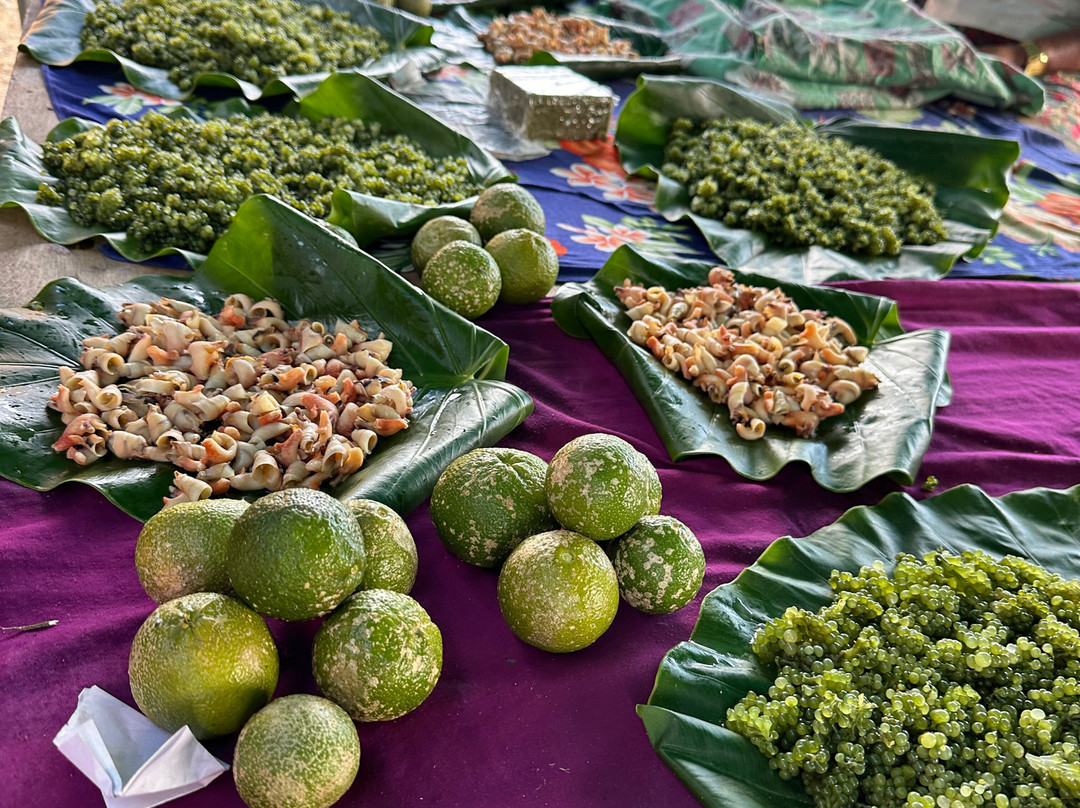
column 513, row 40
column 753, row 349
column 240, row 400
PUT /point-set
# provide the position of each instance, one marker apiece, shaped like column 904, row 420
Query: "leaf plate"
column 701, row 678
column 344, row 95
column 968, row 171
column 885, row 431
column 272, row 250
column 54, row 39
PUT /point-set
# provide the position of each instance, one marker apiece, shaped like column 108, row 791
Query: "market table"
column 507, row 723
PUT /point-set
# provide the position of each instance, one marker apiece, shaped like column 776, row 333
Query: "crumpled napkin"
column 135, row 763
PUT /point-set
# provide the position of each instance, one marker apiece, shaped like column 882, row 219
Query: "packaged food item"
column 543, row 102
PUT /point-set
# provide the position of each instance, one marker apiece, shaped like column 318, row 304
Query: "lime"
column 182, row 548
column 487, row 501
column 464, row 277
column 298, row 751
column 505, row 206
column 204, row 660
column 295, row 554
column 598, row 485
column 421, row 8
column 654, row 490
column 388, row 545
column 436, row 234
column 558, row 591
column 659, row 563
column 527, row 263
column 378, row 656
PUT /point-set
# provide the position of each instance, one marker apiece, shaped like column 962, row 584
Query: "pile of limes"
column 205, row 657
column 558, row 588
column 499, row 254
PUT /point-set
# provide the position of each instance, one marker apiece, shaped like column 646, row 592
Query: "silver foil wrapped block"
column 543, row 102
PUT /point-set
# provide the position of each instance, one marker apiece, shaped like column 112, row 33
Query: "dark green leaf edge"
column 698, row 680
column 54, row 39
column 342, row 94
column 971, row 183
column 462, row 400
column 690, row 424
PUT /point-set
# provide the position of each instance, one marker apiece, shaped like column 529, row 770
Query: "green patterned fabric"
column 860, row 54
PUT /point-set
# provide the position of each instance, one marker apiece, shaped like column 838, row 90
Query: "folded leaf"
column 462, row 401
column 885, row 431
column 969, row 173
column 54, row 39
column 700, row 679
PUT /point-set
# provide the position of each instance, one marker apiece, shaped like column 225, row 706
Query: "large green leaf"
column 700, row 679
column 53, row 39
column 969, row 173
column 346, row 95
column 271, row 250
column 885, row 431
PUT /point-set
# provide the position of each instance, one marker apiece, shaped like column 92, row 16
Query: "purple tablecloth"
column 508, row 724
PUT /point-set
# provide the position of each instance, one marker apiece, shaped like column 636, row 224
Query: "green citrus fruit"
column 527, row 263
column 378, row 656
column 421, row 8
column 182, row 548
column 295, row 554
column 389, row 547
column 204, row 660
column 659, row 563
column 558, row 591
column 654, row 490
column 436, row 234
column 487, row 501
column 505, row 206
column 598, row 485
column 464, row 277
column 298, row 751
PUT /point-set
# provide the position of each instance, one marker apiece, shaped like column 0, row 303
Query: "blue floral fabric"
column 593, row 207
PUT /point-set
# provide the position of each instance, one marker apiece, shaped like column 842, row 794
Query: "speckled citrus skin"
column 505, row 206
column 558, row 591
column 295, row 554
column 391, row 560
column 298, row 751
column 204, row 660
column 598, row 485
column 182, row 548
column 487, row 501
column 659, row 563
column 463, row 277
column 436, row 234
column 378, row 656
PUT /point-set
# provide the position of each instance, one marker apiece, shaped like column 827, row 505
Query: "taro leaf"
column 700, row 679
column 272, row 250
column 968, row 171
column 54, row 39
column 343, row 95
column 885, row 431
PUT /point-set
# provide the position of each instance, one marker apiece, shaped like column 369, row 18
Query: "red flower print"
column 560, row 248
column 1065, row 205
column 600, row 154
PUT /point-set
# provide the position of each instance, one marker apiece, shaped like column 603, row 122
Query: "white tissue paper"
column 135, row 763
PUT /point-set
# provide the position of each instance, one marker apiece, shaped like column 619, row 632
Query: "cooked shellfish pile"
column 515, row 39
column 753, row 349
column 240, row 400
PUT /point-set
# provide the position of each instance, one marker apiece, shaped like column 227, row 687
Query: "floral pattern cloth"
column 593, row 206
